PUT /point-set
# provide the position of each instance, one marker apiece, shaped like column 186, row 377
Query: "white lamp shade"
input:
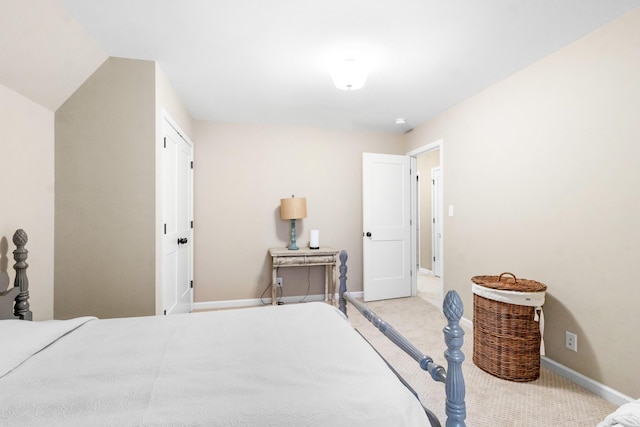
column 349, row 74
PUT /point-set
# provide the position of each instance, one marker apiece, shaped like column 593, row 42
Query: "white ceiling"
column 266, row 61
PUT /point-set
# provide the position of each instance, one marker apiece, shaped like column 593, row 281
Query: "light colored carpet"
column 430, row 288
column 551, row 400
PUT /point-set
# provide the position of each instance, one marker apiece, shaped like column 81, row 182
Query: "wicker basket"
column 506, row 337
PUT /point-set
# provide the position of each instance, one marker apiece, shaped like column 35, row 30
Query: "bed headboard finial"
column 456, row 410
column 20, row 238
column 342, row 302
column 21, row 308
column 452, row 306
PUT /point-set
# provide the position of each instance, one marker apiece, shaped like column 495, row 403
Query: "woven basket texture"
column 506, row 337
column 505, row 283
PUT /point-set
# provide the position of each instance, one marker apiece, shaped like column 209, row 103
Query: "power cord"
column 308, row 285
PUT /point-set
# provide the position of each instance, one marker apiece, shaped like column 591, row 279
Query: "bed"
column 627, row 415
column 291, row 365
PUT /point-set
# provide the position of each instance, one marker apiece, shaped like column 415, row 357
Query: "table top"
column 323, row 250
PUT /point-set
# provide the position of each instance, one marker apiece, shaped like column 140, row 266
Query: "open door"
column 386, row 223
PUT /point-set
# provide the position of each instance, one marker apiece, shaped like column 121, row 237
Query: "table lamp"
column 292, row 209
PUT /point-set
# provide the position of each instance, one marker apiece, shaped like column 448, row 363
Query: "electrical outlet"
column 571, row 341
column 278, row 282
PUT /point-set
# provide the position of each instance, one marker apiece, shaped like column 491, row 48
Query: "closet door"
column 177, row 246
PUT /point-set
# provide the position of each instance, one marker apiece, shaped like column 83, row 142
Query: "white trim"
column 213, row 305
column 425, row 271
column 414, row 232
column 425, row 148
column 528, row 299
column 466, row 322
column 599, row 389
column 593, row 386
column 435, row 145
column 436, row 211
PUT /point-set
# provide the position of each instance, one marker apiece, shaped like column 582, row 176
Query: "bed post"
column 454, row 337
column 21, row 281
column 342, row 302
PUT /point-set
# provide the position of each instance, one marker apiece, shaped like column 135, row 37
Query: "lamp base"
column 293, row 246
column 316, row 247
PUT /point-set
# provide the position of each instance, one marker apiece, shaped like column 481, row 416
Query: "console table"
column 305, row 257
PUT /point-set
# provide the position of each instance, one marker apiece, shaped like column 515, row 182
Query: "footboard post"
column 21, row 308
column 454, row 337
column 342, row 302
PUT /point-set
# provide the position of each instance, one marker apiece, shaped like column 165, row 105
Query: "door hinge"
column 165, row 228
column 434, row 259
column 165, row 312
column 191, row 284
column 165, row 142
column 192, row 164
column 191, row 224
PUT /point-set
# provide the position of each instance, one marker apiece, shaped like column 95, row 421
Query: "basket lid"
column 509, row 283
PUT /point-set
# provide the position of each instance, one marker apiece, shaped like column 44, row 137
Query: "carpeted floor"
column 491, row 402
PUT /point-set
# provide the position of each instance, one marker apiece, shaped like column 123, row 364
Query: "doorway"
column 427, row 222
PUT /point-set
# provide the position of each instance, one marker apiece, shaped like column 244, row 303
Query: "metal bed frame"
column 14, row 304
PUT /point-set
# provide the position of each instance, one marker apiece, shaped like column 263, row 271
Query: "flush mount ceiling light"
column 349, row 74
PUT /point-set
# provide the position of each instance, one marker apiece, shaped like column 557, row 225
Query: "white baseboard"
column 214, row 305
column 353, row 294
column 593, row 386
column 466, row 322
column 575, row 377
column 425, row 271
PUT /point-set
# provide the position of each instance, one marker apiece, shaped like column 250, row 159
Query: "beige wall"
column 105, row 194
column 27, row 194
column 242, row 172
column 46, row 55
column 542, row 171
column 425, row 162
column 540, row 168
column 108, row 137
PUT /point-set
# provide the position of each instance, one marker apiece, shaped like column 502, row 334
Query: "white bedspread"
column 294, row 365
column 627, row 415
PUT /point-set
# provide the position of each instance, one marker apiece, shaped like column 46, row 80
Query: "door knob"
column 182, row 240
column 368, row 234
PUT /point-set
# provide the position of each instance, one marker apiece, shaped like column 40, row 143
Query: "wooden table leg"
column 273, row 287
column 330, row 273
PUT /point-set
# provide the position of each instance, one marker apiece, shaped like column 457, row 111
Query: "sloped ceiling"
column 46, row 54
column 267, row 61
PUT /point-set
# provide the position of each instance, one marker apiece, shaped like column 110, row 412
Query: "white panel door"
column 177, row 218
column 387, row 230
